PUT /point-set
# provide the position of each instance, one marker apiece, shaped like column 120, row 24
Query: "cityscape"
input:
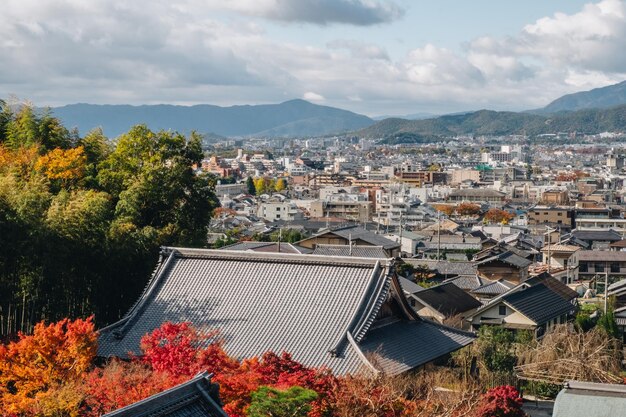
column 312, row 209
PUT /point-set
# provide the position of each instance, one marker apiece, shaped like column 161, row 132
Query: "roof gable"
column 448, row 299
column 539, row 303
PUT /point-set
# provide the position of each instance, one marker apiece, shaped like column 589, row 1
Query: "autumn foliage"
column 495, row 215
column 501, row 401
column 52, row 373
column 37, row 369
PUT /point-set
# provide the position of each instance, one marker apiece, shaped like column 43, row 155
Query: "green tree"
column 272, row 402
column 250, row 186
column 22, row 129
column 608, row 324
column 494, row 349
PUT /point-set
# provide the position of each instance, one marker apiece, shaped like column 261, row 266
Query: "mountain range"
column 595, row 111
column 293, row 118
column 598, row 98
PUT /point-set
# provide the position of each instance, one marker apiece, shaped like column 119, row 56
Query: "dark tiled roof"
column 317, row 308
column 493, row 288
column 448, row 299
column 467, row 282
column 358, row 251
column 445, row 267
column 390, row 347
column 509, row 258
column 600, row 235
column 358, row 233
column 195, row 398
column 554, row 284
column 539, row 303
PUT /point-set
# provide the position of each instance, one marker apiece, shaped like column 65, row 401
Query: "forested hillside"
column 487, row 122
column 82, row 218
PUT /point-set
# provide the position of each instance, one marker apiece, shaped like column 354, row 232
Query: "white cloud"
column 182, row 51
column 311, row 96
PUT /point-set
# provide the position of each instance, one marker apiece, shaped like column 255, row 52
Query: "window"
column 598, row 267
column 502, row 310
column 583, row 267
column 615, row 267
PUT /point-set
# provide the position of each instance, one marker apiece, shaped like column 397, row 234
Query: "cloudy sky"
column 370, row 56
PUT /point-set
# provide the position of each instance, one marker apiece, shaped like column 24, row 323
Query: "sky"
column 375, row 57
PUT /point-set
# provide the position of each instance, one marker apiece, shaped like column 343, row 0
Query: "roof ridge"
column 150, row 288
column 294, row 258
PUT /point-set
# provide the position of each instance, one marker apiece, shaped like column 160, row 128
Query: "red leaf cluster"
column 503, row 401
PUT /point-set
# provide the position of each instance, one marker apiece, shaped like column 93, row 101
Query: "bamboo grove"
column 82, row 217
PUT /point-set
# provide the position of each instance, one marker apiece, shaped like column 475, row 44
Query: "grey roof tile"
column 493, row 288
column 310, row 306
column 390, row 348
column 359, row 251
column 539, row 303
column 448, row 299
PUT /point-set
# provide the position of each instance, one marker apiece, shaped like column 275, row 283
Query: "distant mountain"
column 292, row 118
column 598, row 98
column 487, row 122
column 413, row 116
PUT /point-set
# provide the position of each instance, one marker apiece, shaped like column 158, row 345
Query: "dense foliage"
column 52, row 373
column 75, row 211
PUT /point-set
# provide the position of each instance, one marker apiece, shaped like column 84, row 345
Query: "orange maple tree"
column 37, row 368
column 496, row 215
column 66, row 165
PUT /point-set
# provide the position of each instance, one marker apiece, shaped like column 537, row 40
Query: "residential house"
column 534, row 306
column 351, row 235
column 444, row 303
column 346, row 314
column 589, row 264
column 503, row 262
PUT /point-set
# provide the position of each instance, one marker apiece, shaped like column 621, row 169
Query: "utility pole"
column 606, row 285
column 438, row 234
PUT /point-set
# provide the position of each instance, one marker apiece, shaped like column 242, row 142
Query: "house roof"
column 560, row 248
column 445, row 267
column 601, row 235
column 354, row 233
column 539, row 303
column 448, row 299
column 409, row 286
column 359, row 251
column 318, row 308
column 509, row 258
column 467, row 282
column 393, row 347
column 554, row 284
column 617, row 287
column 493, row 288
column 194, row 398
column 284, row 247
column 601, row 256
column 582, row 399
